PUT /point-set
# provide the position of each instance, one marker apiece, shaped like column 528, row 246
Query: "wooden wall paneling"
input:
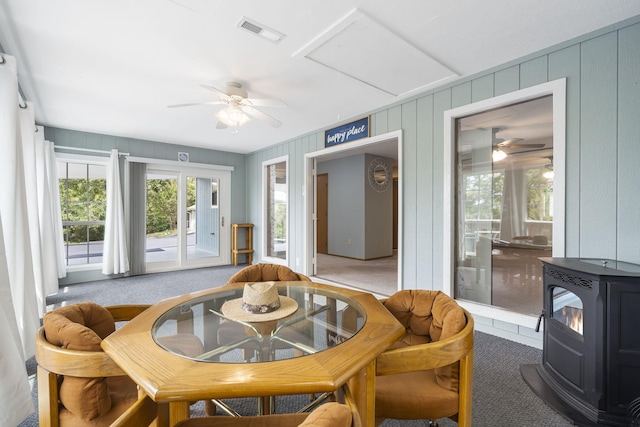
column 628, row 143
column 534, row 72
column 381, row 123
column 482, row 88
column 460, row 95
column 565, row 63
column 506, row 80
column 424, row 191
column 598, row 132
column 410, row 188
column 395, row 118
column 441, row 103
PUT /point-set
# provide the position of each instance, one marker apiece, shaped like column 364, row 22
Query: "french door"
column 187, row 218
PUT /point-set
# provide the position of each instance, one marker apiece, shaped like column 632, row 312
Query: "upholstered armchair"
column 78, row 384
column 428, row 373
column 264, row 272
column 228, row 331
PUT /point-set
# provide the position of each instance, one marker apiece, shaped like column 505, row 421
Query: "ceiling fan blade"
column 525, row 146
column 221, row 125
column 214, row 89
column 265, row 102
column 261, row 116
column 190, row 104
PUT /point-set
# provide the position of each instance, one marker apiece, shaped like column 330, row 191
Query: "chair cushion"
column 428, row 316
column 81, row 327
column 123, row 393
column 264, row 272
column 414, row 395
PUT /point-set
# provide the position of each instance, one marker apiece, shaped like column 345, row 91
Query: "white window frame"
column 90, row 160
column 557, row 88
column 265, row 219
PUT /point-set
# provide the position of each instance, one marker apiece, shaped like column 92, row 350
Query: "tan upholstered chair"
column 78, row 384
column 266, row 272
column 428, row 373
column 229, row 331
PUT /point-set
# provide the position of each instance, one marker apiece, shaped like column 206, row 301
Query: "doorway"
column 347, row 271
column 186, row 218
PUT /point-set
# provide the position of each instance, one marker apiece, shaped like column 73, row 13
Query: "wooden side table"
column 248, row 247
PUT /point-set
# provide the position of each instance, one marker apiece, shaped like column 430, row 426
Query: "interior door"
column 322, row 213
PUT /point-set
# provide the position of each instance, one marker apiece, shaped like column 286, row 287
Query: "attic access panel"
column 362, row 49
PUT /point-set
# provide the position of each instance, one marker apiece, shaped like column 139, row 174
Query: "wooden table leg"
column 178, row 411
column 363, row 387
column 163, row 415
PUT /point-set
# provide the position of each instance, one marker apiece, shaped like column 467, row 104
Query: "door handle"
column 223, row 221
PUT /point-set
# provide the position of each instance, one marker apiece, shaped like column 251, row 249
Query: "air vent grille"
column 250, row 26
column 261, row 30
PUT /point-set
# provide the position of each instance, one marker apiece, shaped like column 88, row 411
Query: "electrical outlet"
column 349, row 242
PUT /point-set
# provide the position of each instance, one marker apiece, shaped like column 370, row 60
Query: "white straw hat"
column 260, row 302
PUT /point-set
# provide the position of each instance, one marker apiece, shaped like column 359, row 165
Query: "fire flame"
column 573, row 318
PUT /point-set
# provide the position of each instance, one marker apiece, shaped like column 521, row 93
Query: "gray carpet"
column 500, row 396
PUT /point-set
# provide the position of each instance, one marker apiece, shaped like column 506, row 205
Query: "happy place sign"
column 347, row 133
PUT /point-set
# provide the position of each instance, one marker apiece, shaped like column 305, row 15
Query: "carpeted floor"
column 500, row 396
column 379, row 276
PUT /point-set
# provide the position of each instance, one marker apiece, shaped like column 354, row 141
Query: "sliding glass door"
column 186, row 219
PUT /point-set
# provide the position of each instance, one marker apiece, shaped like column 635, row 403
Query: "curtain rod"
column 90, row 150
column 23, row 99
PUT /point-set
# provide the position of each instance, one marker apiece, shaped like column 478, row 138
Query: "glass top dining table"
column 183, row 349
column 324, row 318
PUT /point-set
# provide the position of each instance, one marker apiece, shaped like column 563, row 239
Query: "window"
column 504, row 223
column 83, row 201
column 276, row 202
column 498, row 276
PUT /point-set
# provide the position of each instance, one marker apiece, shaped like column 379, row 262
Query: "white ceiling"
column 113, row 66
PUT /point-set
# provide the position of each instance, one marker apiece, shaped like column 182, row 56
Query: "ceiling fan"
column 515, row 143
column 240, row 108
column 499, row 152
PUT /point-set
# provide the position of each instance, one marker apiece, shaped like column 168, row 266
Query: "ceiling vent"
column 260, row 30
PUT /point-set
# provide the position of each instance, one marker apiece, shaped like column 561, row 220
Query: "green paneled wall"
column 602, row 151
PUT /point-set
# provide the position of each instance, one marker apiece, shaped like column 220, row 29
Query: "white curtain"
column 51, row 216
column 115, row 259
column 17, row 283
column 513, row 202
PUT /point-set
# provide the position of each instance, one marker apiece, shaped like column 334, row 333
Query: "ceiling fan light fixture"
column 548, row 173
column 498, row 155
column 233, row 116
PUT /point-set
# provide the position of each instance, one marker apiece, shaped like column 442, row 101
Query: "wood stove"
column 590, row 369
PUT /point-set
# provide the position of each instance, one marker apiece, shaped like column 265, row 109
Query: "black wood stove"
column 590, row 370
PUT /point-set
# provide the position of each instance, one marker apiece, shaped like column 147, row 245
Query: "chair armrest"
column 423, row 357
column 75, row 363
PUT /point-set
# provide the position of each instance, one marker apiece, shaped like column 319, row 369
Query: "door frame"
column 309, row 193
column 224, row 202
